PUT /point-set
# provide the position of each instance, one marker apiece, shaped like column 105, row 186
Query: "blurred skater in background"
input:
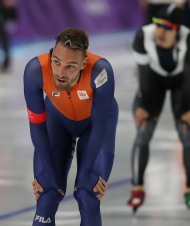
column 162, row 54
column 7, row 12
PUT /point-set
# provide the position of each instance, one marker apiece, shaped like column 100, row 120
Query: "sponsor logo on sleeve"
column 82, row 94
column 101, row 78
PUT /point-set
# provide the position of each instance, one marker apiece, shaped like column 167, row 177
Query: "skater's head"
column 167, row 23
column 69, row 58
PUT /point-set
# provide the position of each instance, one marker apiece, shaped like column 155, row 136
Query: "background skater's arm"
column 185, row 101
column 142, row 60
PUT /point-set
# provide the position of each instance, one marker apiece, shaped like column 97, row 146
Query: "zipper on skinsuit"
column 72, row 107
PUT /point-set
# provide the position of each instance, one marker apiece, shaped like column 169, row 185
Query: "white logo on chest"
column 82, row 94
column 101, row 78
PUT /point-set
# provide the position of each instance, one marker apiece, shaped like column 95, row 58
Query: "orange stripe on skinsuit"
column 82, row 108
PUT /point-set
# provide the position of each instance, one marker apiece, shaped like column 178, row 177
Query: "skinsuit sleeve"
column 142, row 60
column 185, row 102
column 33, row 92
column 102, row 82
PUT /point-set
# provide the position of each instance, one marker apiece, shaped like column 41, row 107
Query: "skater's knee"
column 50, row 201
column 86, row 200
column 47, row 206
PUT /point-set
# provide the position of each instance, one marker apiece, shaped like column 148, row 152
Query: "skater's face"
column 165, row 34
column 66, row 65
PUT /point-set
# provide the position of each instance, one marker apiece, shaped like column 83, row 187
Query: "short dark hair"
column 75, row 35
column 171, row 13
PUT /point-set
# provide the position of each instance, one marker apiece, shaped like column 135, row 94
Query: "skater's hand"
column 38, row 188
column 100, row 187
column 186, row 117
column 140, row 116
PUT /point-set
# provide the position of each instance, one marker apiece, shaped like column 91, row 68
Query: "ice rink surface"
column 165, row 177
